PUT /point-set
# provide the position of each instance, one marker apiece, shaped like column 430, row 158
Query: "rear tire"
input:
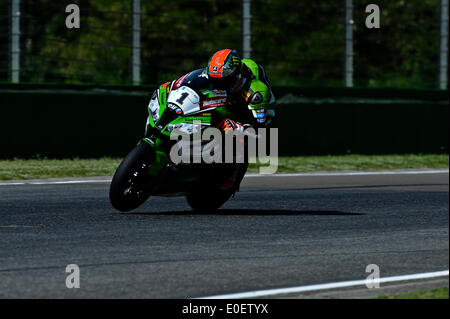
column 208, row 200
column 129, row 186
column 212, row 198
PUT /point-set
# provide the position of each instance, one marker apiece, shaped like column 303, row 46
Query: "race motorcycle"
column 148, row 169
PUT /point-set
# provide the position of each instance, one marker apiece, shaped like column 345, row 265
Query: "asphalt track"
column 278, row 231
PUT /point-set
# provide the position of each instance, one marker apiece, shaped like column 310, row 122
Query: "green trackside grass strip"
column 358, row 162
column 52, row 168
column 438, row 293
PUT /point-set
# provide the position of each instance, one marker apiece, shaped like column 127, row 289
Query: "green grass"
column 51, row 168
column 438, row 293
column 358, row 162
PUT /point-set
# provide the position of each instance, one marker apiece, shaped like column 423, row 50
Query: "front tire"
column 130, row 185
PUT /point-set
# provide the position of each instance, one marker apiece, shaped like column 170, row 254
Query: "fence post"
column 348, row 43
column 246, row 32
column 443, row 52
column 136, row 41
column 15, row 41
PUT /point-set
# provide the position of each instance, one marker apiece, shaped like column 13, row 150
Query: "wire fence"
column 299, row 43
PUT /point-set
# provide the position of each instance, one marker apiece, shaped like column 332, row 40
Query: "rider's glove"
column 228, row 125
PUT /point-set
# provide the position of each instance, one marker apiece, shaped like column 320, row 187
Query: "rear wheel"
column 130, row 186
column 213, row 197
column 208, row 200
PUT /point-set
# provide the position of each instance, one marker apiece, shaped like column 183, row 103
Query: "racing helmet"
column 225, row 71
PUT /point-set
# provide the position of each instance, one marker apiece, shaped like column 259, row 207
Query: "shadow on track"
column 353, row 187
column 248, row 212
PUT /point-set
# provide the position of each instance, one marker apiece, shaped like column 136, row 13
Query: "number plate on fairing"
column 186, row 99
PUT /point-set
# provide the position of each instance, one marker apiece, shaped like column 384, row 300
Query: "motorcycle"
column 148, row 170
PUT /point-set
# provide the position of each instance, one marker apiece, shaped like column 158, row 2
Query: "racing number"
column 182, row 98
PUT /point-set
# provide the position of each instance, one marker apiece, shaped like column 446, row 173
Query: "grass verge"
column 438, row 293
column 51, row 168
column 359, row 162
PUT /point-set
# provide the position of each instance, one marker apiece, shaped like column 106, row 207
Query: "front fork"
column 161, row 158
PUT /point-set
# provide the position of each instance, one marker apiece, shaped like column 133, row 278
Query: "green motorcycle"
column 148, row 169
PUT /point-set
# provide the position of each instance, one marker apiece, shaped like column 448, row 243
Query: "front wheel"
column 130, row 185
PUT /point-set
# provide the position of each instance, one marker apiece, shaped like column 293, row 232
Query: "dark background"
column 298, row 42
column 76, row 99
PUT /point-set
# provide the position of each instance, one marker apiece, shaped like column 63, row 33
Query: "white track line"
column 342, row 284
column 360, row 173
column 80, row 181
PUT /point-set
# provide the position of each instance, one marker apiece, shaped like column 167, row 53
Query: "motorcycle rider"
column 248, row 94
column 245, row 82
